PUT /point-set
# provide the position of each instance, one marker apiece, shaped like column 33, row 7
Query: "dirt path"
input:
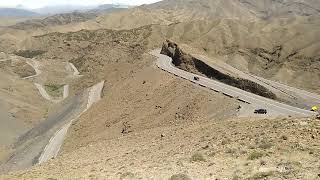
column 29, row 146
column 76, row 72
column 53, row 147
column 35, row 65
column 43, row 92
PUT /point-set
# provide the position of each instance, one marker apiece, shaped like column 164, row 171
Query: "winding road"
column 43, row 142
column 29, row 146
column 274, row 108
column 53, row 147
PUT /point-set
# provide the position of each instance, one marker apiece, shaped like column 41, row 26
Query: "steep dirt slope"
column 284, row 50
column 21, row 105
column 283, row 8
column 181, row 59
column 20, row 94
column 151, row 124
column 173, row 11
column 245, row 149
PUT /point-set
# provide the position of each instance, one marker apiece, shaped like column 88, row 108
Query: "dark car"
column 196, row 78
column 260, row 111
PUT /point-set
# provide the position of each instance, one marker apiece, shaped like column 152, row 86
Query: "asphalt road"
column 274, row 108
column 30, row 146
column 53, row 147
column 44, row 141
column 290, row 95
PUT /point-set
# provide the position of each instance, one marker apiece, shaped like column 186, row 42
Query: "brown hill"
column 151, row 124
column 285, row 50
column 172, row 11
column 55, row 20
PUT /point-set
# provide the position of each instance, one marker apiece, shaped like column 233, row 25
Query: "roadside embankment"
column 189, row 63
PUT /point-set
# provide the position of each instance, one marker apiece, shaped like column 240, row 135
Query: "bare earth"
column 150, row 124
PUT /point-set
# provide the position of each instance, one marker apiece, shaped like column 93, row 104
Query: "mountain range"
column 16, row 12
column 151, row 121
column 21, row 11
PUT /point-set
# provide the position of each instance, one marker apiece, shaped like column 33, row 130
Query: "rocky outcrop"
column 189, row 63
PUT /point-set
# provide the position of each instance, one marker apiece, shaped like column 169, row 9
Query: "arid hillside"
column 174, row 11
column 55, row 20
column 274, row 39
column 283, row 50
column 151, row 124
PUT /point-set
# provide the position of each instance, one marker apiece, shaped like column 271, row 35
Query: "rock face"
column 189, row 63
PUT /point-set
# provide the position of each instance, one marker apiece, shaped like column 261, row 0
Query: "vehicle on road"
column 196, row 78
column 314, row 108
column 260, row 111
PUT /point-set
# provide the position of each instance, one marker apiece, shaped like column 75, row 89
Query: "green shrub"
column 54, row 89
column 180, row 177
column 265, row 145
column 197, row 157
column 255, row 155
column 261, row 175
column 29, row 53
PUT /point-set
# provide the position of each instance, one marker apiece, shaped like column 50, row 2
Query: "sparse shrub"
column 284, row 137
column 265, row 145
column 261, row 175
column 197, row 157
column 54, row 89
column 225, row 141
column 243, row 151
column 29, row 53
column 231, row 151
column 263, row 163
column 211, row 154
column 236, row 177
column 180, row 177
column 255, row 155
column 127, row 175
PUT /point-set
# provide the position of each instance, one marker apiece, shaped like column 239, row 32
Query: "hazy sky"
column 41, row 3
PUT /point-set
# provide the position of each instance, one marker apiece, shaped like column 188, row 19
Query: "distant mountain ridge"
column 16, row 12
column 22, row 11
column 51, row 10
column 242, row 9
column 59, row 19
